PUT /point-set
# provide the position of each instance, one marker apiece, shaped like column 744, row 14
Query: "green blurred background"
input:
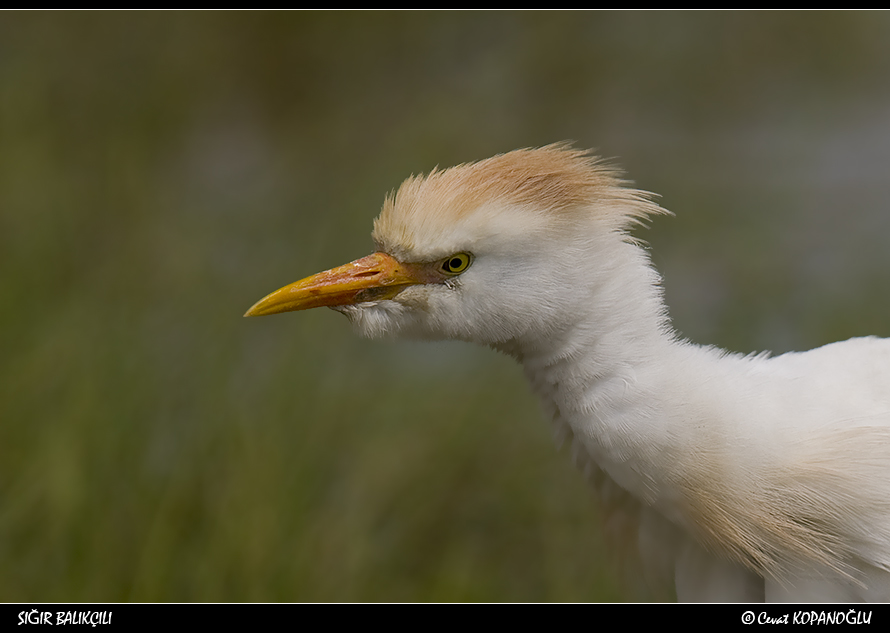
column 160, row 172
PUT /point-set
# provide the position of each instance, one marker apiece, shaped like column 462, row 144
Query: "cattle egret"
column 747, row 478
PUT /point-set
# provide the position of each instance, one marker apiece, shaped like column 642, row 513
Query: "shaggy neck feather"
column 598, row 376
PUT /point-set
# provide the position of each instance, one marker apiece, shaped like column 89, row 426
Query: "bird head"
column 487, row 252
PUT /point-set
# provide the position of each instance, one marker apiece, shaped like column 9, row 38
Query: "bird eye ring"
column 456, row 264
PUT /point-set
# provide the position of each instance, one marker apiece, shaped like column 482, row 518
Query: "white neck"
column 598, row 376
column 632, row 398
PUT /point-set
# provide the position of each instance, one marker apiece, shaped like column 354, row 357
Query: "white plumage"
column 745, row 477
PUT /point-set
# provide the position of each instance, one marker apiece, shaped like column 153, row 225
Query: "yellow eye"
column 457, row 263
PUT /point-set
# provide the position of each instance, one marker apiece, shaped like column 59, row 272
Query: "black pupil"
column 453, row 263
